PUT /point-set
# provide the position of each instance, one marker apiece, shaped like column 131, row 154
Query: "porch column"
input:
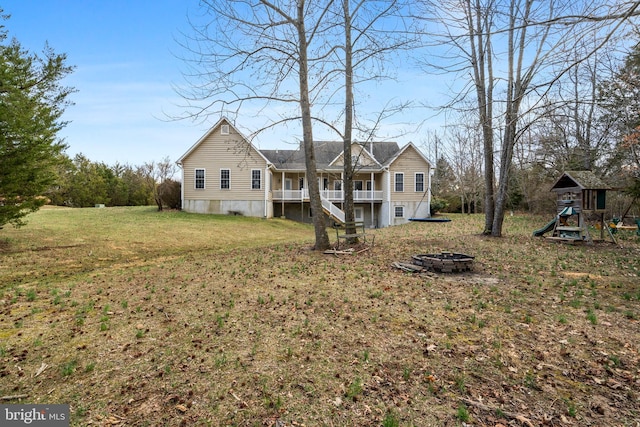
column 283, row 194
column 267, row 189
column 389, row 194
column 373, row 191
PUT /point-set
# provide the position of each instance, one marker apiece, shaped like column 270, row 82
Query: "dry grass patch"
column 253, row 333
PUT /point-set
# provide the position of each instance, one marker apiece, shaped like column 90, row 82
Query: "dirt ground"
column 538, row 334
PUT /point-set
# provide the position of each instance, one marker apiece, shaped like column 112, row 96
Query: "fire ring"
column 445, row 262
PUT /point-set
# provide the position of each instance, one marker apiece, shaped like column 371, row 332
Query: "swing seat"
column 430, row 219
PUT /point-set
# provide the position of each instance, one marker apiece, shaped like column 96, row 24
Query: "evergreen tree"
column 620, row 97
column 31, row 105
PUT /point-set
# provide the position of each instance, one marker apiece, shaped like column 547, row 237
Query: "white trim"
column 195, row 179
column 220, row 176
column 267, row 188
column 224, row 129
column 182, row 188
column 415, row 182
column 403, row 149
column 395, row 211
column 395, row 182
column 223, row 120
column 361, row 148
column 251, row 177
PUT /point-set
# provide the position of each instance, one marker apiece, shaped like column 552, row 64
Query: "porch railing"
column 332, row 210
column 332, row 195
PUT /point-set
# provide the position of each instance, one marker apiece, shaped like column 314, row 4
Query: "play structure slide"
column 545, row 229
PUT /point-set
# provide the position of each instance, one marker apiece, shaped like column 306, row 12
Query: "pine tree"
column 32, row 101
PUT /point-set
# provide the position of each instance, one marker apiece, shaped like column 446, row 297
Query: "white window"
column 337, row 185
column 256, row 179
column 357, row 185
column 420, row 182
column 301, row 183
column 399, row 212
column 199, row 179
column 358, row 214
column 225, row 179
column 224, row 130
column 399, row 181
column 369, row 186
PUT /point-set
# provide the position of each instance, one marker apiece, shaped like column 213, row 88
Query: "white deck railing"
column 333, row 211
column 332, row 195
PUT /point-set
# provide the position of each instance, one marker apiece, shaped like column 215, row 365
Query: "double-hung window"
column 399, row 212
column 225, row 179
column 399, row 182
column 420, row 182
column 256, row 179
column 199, row 179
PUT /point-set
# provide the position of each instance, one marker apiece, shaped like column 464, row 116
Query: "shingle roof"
column 325, row 152
column 583, row 179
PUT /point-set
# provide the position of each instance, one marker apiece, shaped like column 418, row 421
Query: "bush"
column 170, row 192
column 438, row 204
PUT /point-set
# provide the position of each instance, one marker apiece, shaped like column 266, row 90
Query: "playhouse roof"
column 586, row 180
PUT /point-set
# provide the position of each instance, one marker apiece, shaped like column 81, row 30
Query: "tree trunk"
column 483, row 78
column 347, row 187
column 322, row 239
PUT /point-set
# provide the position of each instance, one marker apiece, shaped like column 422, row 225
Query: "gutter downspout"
column 181, row 186
column 431, row 173
column 388, row 195
column 267, row 187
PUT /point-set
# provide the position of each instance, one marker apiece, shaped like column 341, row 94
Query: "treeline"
column 84, row 183
column 596, row 127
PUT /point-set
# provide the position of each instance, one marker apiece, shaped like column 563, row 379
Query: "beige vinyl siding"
column 409, row 163
column 219, row 152
column 364, row 177
column 364, row 159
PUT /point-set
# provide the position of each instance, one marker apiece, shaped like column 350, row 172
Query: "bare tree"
column 263, row 52
column 368, row 43
column 464, row 153
column 155, row 174
column 514, row 52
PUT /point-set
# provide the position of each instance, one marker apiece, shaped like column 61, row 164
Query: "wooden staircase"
column 332, row 210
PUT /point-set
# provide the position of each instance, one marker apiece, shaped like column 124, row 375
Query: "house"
column 223, row 173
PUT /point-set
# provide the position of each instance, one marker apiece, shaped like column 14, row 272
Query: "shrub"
column 170, row 193
column 438, row 204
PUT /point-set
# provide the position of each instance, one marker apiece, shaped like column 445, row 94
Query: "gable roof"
column 586, row 180
column 204, row 137
column 402, row 150
column 326, row 152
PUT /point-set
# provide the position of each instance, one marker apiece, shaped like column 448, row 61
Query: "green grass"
column 95, row 238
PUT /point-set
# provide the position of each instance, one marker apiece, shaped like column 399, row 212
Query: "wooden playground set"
column 580, row 195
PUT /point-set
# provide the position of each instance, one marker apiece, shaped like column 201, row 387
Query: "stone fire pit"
column 445, row 262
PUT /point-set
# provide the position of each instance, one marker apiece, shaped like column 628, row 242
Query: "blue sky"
column 124, row 53
column 126, row 59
